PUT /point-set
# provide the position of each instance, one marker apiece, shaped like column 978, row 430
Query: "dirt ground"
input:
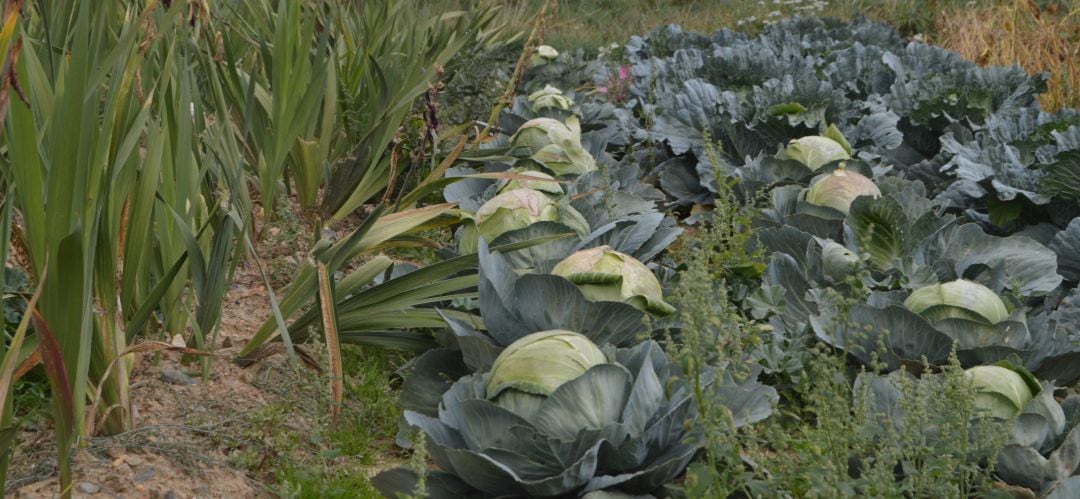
column 190, row 440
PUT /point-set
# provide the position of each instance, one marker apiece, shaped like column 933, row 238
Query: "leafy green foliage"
column 624, row 425
column 711, row 114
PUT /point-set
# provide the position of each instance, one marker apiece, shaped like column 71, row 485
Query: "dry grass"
column 1019, row 32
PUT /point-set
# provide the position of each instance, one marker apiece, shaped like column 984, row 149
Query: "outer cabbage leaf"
column 1067, row 246
column 1015, row 262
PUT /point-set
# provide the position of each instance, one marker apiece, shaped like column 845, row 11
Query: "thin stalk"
column 519, row 70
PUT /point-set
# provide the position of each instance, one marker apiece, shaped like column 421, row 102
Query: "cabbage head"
column 549, row 96
column 544, row 54
column 838, row 261
column 603, row 274
column 543, row 183
column 840, row 188
column 534, row 366
column 815, row 151
column 959, row 299
column 517, row 209
column 555, row 144
column 999, row 392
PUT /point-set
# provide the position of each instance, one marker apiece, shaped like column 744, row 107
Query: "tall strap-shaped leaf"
column 333, row 342
column 10, row 45
column 14, row 348
column 374, row 231
column 63, row 402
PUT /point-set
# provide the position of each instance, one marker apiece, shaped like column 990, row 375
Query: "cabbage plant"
column 1040, row 447
column 555, row 145
column 603, row 274
column 839, row 189
column 623, row 422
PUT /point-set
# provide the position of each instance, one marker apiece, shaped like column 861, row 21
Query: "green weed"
column 292, row 444
column 828, row 437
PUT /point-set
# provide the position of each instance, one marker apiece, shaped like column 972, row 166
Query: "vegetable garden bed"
column 819, row 260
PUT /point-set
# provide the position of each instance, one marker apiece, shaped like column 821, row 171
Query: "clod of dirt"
column 177, row 377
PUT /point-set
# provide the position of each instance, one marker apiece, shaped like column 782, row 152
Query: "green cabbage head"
column 840, row 188
column 549, row 96
column 512, row 210
column 815, row 150
column 517, row 209
column 535, row 365
column 999, row 392
column 543, row 183
column 603, row 274
column 544, row 54
column 520, row 208
column 959, row 299
column 838, row 261
column 555, row 144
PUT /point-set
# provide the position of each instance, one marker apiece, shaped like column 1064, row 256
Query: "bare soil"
column 197, row 440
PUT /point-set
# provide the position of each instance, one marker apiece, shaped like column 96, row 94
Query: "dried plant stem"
column 519, row 68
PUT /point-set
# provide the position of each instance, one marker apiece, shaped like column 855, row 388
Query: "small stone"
column 177, row 377
column 227, row 342
column 145, row 473
column 88, row 487
column 170, row 494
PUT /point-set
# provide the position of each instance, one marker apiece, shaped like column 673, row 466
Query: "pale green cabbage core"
column 815, row 151
column 959, row 299
column 541, row 362
column 549, row 96
column 839, row 189
column 603, row 274
column 838, row 261
column 556, row 145
column 999, row 392
column 512, row 210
